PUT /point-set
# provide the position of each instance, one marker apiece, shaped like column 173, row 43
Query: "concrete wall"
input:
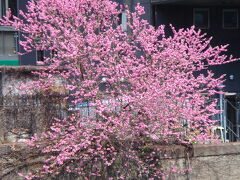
column 211, row 162
column 14, row 76
column 25, row 112
column 208, row 162
column 216, row 162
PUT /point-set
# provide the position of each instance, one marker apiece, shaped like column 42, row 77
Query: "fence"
column 25, row 115
column 31, row 114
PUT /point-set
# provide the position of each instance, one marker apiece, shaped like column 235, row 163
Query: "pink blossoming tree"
column 145, row 87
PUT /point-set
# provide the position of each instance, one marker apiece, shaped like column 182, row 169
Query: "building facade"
column 9, row 38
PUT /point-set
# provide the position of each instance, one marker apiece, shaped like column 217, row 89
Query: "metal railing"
column 231, row 131
column 231, row 134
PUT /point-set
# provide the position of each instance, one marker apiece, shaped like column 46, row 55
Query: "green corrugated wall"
column 9, row 63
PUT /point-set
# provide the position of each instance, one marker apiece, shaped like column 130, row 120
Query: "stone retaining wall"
column 208, row 162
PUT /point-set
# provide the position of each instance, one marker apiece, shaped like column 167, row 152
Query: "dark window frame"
column 208, row 18
column 223, row 18
column 40, row 55
column 6, row 4
column 5, row 46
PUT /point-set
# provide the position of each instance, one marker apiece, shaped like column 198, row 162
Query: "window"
column 53, row 53
column 6, row 4
column 230, row 18
column 201, row 18
column 8, row 43
column 40, row 55
column 120, row 19
column 123, row 20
